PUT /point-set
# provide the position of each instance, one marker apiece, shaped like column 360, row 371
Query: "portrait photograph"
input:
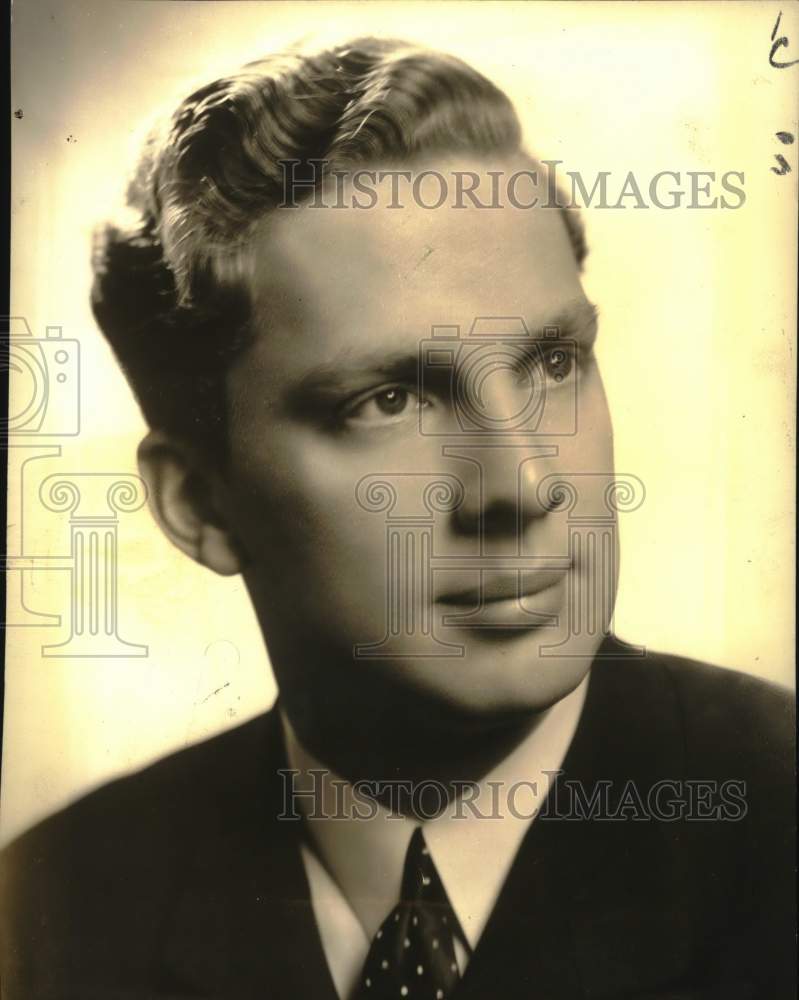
column 400, row 453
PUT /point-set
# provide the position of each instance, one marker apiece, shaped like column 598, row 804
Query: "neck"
column 413, row 768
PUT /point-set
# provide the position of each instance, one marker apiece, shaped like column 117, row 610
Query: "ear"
column 182, row 492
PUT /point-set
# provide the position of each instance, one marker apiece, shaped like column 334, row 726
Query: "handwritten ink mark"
column 786, row 138
column 225, row 685
column 778, row 43
column 783, row 168
column 427, row 251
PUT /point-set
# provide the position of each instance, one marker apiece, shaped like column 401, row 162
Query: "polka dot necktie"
column 413, row 954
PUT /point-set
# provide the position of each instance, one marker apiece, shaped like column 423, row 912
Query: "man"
column 388, row 417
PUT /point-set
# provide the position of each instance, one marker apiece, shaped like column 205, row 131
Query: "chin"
column 488, row 686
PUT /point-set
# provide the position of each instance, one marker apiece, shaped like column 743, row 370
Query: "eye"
column 385, row 405
column 391, row 402
column 558, row 361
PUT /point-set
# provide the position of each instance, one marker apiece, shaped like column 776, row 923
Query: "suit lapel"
column 588, row 909
column 627, row 907
column 244, row 925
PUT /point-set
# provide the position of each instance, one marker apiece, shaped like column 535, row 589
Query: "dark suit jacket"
column 179, row 882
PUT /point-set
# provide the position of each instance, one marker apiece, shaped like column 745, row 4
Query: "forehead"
column 327, row 282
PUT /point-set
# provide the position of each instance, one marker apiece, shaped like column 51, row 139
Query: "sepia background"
column 698, row 318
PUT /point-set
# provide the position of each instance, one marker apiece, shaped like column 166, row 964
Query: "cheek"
column 590, row 447
column 294, row 505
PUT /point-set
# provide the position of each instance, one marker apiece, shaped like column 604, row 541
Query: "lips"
column 502, row 587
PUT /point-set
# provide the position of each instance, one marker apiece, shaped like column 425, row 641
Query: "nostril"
column 502, row 518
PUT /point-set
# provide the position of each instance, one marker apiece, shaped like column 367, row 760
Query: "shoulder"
column 114, row 858
column 715, row 705
column 174, row 790
column 679, row 716
column 737, row 734
column 730, row 715
column 693, row 764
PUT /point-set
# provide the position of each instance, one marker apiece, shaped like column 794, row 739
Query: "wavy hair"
column 167, row 292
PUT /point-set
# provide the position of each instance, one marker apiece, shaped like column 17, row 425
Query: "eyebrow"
column 576, row 320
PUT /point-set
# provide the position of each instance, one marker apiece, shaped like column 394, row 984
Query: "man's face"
column 467, row 602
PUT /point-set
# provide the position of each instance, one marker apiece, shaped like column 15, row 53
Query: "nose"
column 500, row 488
